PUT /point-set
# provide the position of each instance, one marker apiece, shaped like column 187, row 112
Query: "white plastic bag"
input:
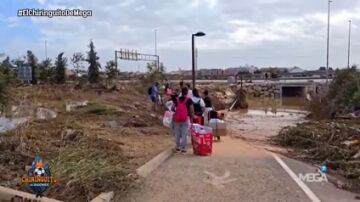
column 203, row 130
column 216, row 121
column 169, row 105
column 167, row 120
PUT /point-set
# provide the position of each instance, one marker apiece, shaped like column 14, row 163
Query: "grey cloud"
column 267, row 32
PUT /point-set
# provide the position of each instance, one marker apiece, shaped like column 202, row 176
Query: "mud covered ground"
column 90, row 149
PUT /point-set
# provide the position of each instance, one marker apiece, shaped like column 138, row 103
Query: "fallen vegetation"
column 92, row 148
column 331, row 136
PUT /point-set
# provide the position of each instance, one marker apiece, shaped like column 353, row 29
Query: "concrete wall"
column 279, row 90
column 262, row 90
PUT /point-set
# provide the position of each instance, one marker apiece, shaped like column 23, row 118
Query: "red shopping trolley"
column 201, row 139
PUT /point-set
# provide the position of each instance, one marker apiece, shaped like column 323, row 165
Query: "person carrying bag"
column 181, row 119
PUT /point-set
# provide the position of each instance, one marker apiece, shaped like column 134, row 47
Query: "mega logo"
column 39, row 178
column 315, row 177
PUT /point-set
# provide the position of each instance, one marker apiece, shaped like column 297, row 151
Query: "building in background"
column 209, row 73
column 295, row 70
column 233, row 71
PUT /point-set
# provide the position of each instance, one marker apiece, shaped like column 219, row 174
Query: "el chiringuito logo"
column 39, row 178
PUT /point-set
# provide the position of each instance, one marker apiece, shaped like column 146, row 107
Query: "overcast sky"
column 238, row 32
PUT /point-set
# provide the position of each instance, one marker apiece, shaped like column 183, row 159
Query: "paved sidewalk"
column 235, row 172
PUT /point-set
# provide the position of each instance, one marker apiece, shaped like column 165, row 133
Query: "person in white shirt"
column 190, row 92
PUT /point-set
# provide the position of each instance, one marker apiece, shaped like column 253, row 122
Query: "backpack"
column 197, row 108
column 149, row 90
column 181, row 113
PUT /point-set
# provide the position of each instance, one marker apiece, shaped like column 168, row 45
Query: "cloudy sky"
column 238, row 32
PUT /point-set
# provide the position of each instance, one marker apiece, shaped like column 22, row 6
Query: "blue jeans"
column 181, row 132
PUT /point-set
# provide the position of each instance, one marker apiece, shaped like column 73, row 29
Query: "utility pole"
column 157, row 61
column 349, row 44
column 328, row 43
column 116, row 60
column 193, row 59
column 196, row 59
column 155, row 32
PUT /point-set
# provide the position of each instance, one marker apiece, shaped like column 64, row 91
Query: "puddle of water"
column 260, row 124
column 265, row 117
column 273, row 104
column 281, row 113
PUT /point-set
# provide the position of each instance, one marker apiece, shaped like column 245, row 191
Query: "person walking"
column 168, row 92
column 190, row 93
column 154, row 94
column 181, row 84
column 208, row 107
column 167, row 84
column 199, row 106
column 207, row 99
column 184, row 112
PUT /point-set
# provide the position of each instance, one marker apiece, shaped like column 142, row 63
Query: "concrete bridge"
column 281, row 80
column 284, row 87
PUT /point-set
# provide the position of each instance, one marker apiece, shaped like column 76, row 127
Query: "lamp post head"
column 199, row 34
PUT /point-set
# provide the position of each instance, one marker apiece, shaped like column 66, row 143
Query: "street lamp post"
column 199, row 34
column 328, row 43
column 349, row 44
column 157, row 62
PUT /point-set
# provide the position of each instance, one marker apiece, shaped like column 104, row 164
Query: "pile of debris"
column 92, row 146
column 84, row 163
column 239, row 100
column 222, row 97
column 335, row 144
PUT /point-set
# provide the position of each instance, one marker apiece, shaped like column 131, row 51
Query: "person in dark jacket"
column 207, row 99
